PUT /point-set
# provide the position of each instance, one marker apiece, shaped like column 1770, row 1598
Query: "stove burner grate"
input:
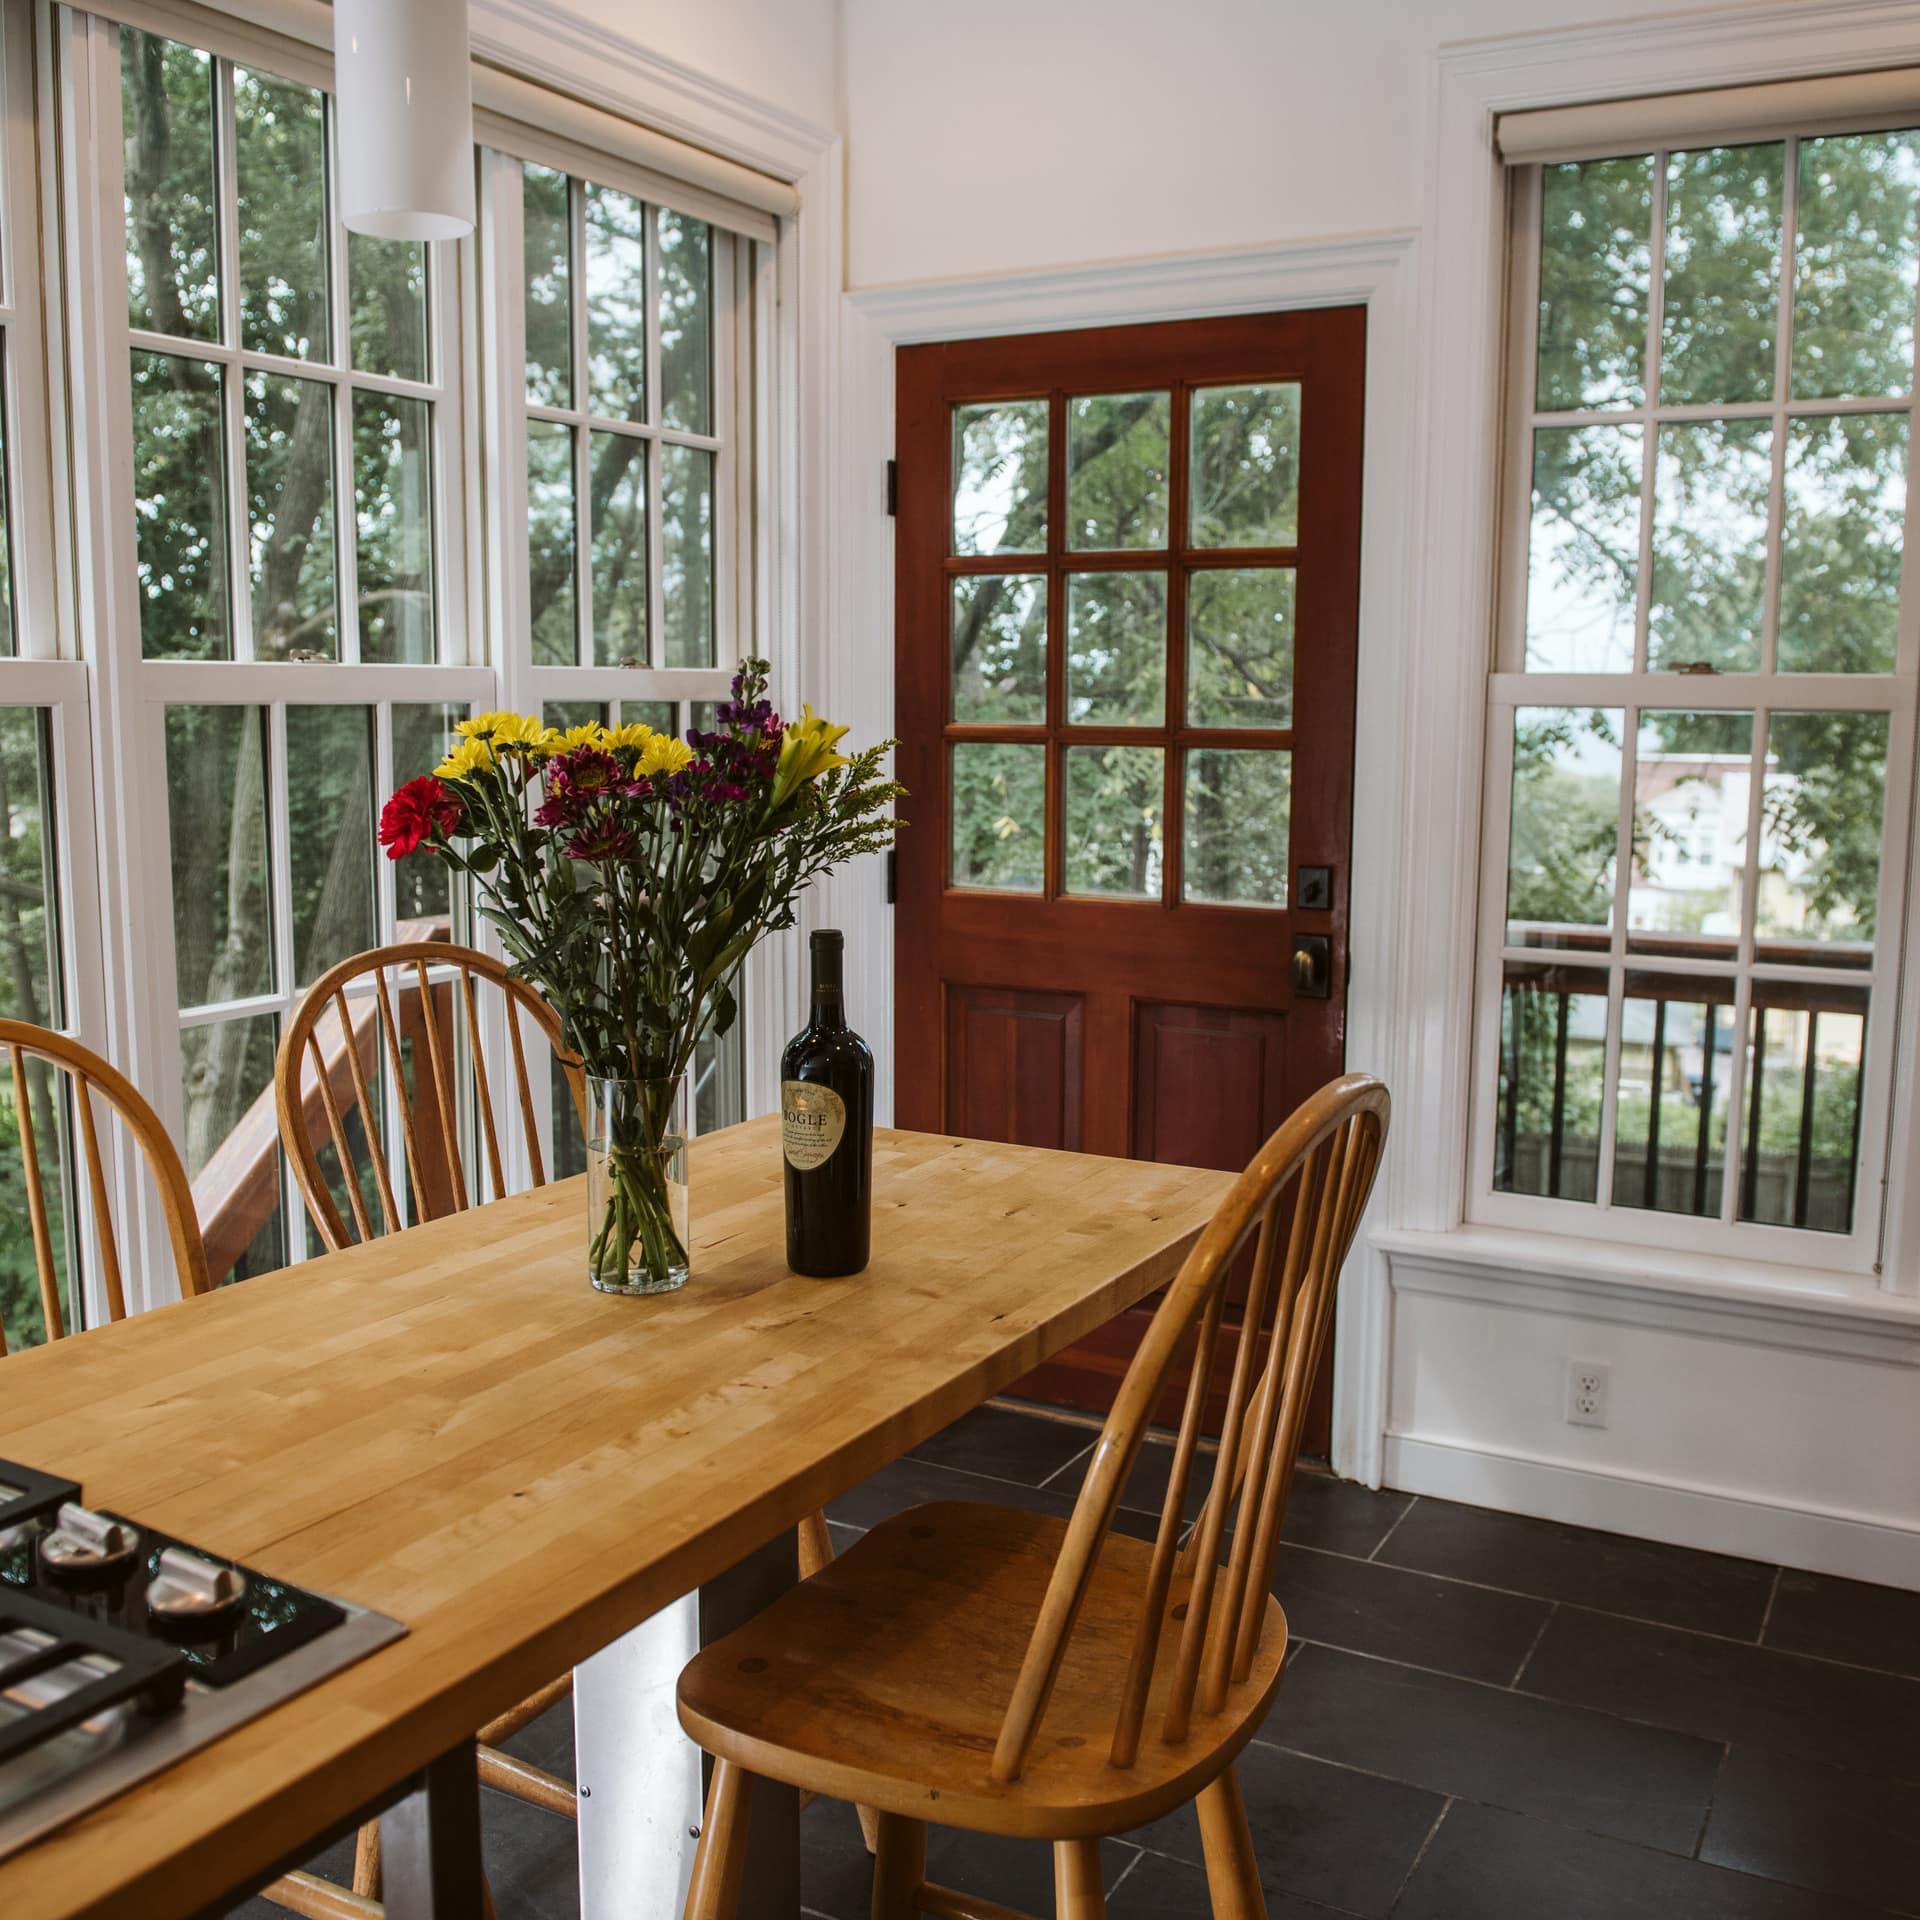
column 39, row 1642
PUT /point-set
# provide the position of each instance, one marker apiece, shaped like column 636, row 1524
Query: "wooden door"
column 1128, row 587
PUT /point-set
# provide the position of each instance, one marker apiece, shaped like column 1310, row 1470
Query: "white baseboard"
column 1856, row 1546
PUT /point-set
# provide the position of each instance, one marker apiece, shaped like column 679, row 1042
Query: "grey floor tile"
column 1340, row 1516
column 1846, row 1620
column 1608, row 1571
column 1563, row 1763
column 1485, row 1864
column 1161, row 1889
column 1006, row 1445
column 1365, row 1607
column 911, row 1483
column 1722, row 1690
column 1841, row 1833
column 1323, row 1833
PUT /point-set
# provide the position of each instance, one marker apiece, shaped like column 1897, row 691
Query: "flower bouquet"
column 630, row 874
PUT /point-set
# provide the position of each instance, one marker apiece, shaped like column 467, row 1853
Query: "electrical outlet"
column 1587, row 1393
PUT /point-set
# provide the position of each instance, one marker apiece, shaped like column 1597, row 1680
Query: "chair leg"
column 1079, row 1890
column 366, row 1861
column 721, row 1856
column 1233, row 1874
column 899, row 1867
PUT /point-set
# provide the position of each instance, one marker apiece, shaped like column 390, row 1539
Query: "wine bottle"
column 826, row 1129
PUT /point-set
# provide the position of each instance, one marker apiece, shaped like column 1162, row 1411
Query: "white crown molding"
column 1857, row 1546
column 554, row 45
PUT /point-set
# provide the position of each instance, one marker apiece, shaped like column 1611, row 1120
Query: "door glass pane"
column 1693, row 777
column 280, row 171
column 616, row 304
column 1855, row 265
column 1117, row 649
column 290, row 516
column 30, row 922
column 1117, row 458
column 227, row 1087
column 1245, row 475
column 1820, row 815
column 1722, row 302
column 999, row 814
column 664, row 717
column 166, row 114
column 217, row 801
column 423, row 904
column 1000, row 477
column 686, row 556
column 547, row 253
column 9, row 638
column 1596, row 265
column 1553, row 1054
column 1240, row 647
column 1114, row 821
column 329, row 834
column 550, row 543
column 1234, row 846
column 393, row 505
column 180, row 508
column 1565, row 826
column 1711, row 483
column 1841, row 543
column 1583, row 550
column 999, row 648
column 618, row 466
column 1670, row 1126
column 686, row 323
column 387, row 280
column 1800, row 1134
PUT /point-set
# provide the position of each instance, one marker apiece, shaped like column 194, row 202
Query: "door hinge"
column 893, row 876
column 893, row 486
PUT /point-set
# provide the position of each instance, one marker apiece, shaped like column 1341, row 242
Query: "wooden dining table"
column 450, row 1426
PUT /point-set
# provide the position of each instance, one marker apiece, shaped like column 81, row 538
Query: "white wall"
column 1018, row 134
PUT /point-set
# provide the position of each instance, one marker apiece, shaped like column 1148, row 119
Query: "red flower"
column 420, row 809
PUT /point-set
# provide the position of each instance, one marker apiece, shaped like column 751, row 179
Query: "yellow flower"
column 469, row 757
column 631, row 733
column 589, row 734
column 503, row 729
column 663, row 754
column 806, row 752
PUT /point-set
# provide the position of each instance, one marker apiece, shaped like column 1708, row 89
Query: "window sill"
column 1772, row 1305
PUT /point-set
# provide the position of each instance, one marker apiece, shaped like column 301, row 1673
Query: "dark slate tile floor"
column 1486, row 1718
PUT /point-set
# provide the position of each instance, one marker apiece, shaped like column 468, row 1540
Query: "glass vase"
column 637, row 1185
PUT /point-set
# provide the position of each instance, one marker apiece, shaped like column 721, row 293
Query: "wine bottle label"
column 812, row 1119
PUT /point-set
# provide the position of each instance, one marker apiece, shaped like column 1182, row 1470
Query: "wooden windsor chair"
column 1048, row 1679
column 328, row 1089
column 85, row 1073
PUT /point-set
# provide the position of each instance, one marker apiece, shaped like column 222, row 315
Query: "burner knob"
column 187, row 1591
column 84, row 1543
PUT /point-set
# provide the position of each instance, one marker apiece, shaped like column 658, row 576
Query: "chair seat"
column 883, row 1680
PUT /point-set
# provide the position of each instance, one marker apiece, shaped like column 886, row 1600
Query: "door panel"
column 1014, row 1066
column 1127, row 608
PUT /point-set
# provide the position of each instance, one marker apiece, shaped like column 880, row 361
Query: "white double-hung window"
column 1701, row 719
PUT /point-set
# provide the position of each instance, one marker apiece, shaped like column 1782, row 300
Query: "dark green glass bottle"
column 826, row 1129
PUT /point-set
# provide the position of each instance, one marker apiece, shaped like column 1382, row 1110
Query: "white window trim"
column 1511, row 687
column 1441, row 702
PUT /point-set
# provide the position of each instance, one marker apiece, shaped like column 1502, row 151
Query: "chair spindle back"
column 341, row 1048
column 87, row 1073
column 1324, row 1156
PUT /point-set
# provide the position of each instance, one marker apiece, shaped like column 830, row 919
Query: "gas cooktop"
column 122, row 1649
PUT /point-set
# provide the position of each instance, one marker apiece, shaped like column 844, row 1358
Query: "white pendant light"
column 404, row 86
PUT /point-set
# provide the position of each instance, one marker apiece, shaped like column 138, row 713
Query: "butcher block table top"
column 453, row 1428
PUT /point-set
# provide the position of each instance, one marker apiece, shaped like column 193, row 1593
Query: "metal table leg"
column 430, row 1843
column 643, row 1782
